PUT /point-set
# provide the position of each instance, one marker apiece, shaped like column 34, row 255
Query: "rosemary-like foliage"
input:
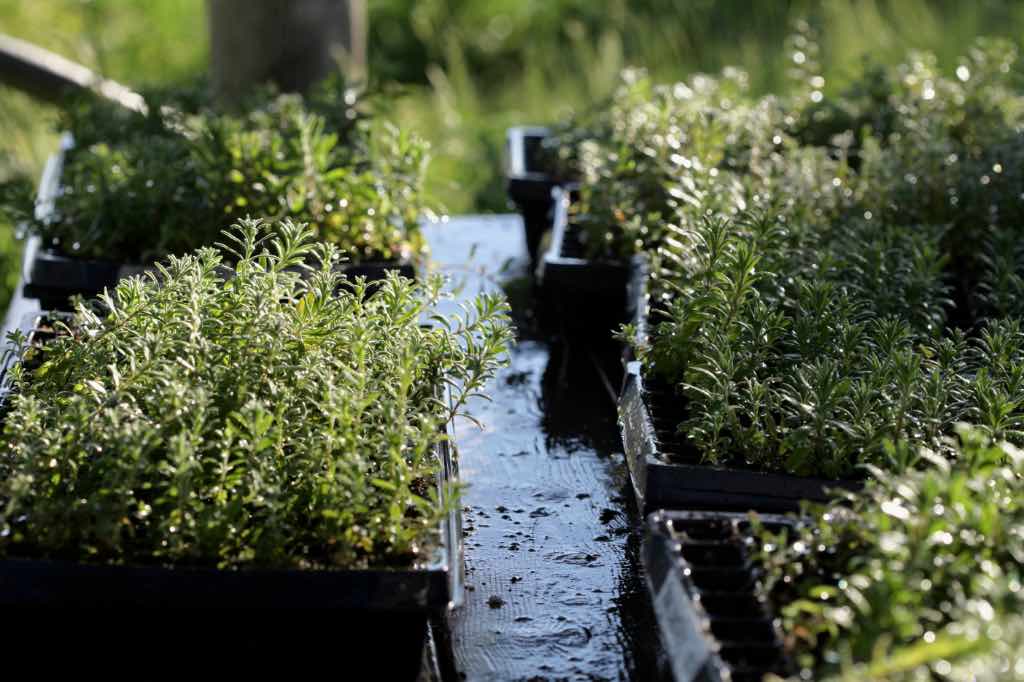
column 813, row 299
column 916, row 578
column 832, row 274
column 137, row 188
column 231, row 410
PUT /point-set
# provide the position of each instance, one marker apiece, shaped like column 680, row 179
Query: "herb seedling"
column 168, row 182
column 918, row 574
column 813, row 297
column 232, row 411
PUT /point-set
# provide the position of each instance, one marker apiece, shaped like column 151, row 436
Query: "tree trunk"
column 292, row 43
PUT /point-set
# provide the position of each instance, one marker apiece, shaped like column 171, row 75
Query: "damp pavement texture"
column 555, row 589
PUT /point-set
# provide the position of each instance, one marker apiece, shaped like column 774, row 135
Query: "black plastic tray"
column 662, row 471
column 52, row 276
column 529, row 187
column 367, row 607
column 715, row 623
column 585, row 295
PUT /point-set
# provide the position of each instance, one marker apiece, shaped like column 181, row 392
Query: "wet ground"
column 555, row 588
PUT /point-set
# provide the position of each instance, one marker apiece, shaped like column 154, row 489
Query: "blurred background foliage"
column 461, row 71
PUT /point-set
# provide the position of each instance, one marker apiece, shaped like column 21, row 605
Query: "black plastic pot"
column 53, row 276
column 529, row 185
column 387, row 612
column 583, row 295
column 715, row 623
column 662, row 467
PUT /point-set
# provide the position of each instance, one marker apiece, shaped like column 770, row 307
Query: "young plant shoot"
column 916, row 578
column 240, row 408
column 828, row 273
column 136, row 188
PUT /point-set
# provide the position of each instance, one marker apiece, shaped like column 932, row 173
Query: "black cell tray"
column 366, row 608
column 662, row 467
column 53, row 276
column 715, row 623
column 585, row 295
column 528, row 185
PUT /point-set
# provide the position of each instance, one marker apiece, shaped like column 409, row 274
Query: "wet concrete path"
column 555, row 590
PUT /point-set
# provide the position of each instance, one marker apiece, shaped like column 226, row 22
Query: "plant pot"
column 715, row 623
column 367, row 608
column 528, row 185
column 582, row 295
column 52, row 275
column 662, row 468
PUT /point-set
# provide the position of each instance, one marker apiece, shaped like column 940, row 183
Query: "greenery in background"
column 158, row 41
column 135, row 188
column 812, row 302
column 473, row 67
column 14, row 189
column 918, row 577
column 904, row 143
column 142, row 44
column 261, row 420
column 490, row 64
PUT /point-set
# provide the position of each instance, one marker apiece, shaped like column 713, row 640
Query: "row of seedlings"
column 126, row 190
column 818, row 277
column 915, row 577
column 257, row 418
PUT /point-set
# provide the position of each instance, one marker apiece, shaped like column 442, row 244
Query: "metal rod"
column 50, row 77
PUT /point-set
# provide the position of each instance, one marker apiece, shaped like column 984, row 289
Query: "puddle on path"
column 552, row 547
